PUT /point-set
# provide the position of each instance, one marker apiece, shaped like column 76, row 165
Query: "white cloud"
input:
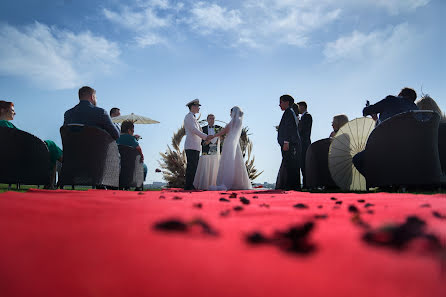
column 149, row 39
column 398, row 6
column 164, row 4
column 250, row 23
column 208, row 18
column 137, row 20
column 53, row 58
column 144, row 20
column 377, row 44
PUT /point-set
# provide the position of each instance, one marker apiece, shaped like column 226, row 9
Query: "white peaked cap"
column 195, row 101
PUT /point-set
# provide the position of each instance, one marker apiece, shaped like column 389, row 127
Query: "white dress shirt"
column 193, row 133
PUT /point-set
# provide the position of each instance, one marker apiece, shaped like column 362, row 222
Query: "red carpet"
column 103, row 243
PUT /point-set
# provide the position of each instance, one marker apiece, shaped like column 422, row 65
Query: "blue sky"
column 151, row 57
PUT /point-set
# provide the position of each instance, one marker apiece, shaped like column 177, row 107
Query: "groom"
column 290, row 144
column 192, row 145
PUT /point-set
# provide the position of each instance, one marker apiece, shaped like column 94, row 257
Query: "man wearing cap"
column 192, row 145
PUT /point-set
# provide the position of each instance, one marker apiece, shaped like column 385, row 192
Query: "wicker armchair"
column 316, row 168
column 91, row 157
column 24, row 158
column 403, row 151
column 132, row 171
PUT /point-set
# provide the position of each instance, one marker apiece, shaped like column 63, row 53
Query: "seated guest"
column 127, row 138
column 338, row 121
column 7, row 113
column 391, row 105
column 115, row 112
column 87, row 113
column 427, row 103
column 387, row 108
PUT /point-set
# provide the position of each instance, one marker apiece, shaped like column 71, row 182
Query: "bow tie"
column 211, row 127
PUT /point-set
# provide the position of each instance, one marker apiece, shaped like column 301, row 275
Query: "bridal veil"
column 232, row 173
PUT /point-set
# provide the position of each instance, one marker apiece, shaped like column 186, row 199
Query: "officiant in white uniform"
column 192, row 144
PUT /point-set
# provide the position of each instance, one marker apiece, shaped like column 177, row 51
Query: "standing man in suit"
column 305, row 123
column 290, row 144
column 192, row 145
column 87, row 113
column 209, row 129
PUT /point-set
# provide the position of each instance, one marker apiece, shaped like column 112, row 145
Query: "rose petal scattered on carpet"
column 300, row 206
column 244, row 200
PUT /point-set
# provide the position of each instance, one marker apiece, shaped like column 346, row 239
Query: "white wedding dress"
column 232, row 173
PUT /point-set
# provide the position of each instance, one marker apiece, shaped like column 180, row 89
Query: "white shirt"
column 193, row 133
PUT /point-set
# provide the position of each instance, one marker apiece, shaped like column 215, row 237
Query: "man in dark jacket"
column 305, row 123
column 289, row 141
column 87, row 113
column 387, row 108
column 391, row 105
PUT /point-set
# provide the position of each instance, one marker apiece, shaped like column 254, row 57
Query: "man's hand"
column 209, row 137
column 286, row 147
column 374, row 116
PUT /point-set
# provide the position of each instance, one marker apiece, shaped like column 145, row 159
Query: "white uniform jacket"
column 193, row 133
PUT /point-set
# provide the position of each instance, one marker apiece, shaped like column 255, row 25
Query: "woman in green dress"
column 7, row 113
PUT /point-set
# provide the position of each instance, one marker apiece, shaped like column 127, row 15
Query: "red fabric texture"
column 103, row 243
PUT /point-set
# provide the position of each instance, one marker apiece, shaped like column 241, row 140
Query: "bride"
column 232, row 173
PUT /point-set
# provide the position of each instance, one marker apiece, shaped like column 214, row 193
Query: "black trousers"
column 302, row 163
column 192, row 157
column 290, row 166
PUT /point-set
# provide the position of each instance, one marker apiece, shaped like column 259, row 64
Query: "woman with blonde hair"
column 427, row 103
column 338, row 121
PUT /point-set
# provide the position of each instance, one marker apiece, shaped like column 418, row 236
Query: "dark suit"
column 87, row 114
column 305, row 123
column 205, row 147
column 290, row 159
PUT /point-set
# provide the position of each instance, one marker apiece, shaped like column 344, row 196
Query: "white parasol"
column 136, row 119
column 348, row 141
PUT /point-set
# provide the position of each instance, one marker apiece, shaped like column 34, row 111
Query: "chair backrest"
column 91, row 157
column 24, row 158
column 132, row 171
column 403, row 150
column 316, row 165
column 442, row 146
